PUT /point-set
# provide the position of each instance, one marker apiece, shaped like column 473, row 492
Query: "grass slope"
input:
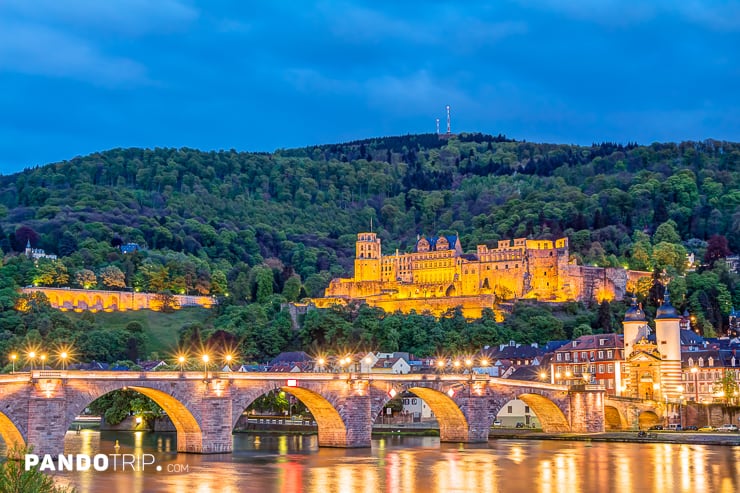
column 160, row 328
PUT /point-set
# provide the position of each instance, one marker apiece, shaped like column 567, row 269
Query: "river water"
column 293, row 463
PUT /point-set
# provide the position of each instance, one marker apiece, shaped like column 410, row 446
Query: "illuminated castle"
column 438, row 276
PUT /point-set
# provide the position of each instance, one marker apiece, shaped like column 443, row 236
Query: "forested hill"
column 300, row 209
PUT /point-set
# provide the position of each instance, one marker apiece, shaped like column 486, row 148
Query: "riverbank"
column 710, row 438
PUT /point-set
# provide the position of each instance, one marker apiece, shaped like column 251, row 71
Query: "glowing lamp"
column 292, row 383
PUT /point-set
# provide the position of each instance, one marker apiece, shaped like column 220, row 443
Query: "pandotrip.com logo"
column 99, row 463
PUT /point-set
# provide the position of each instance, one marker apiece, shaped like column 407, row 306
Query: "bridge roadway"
column 37, row 408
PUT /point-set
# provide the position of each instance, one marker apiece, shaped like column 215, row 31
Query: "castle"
column 438, row 276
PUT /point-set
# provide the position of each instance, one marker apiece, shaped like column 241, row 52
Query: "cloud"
column 38, row 50
column 716, row 15
column 131, row 17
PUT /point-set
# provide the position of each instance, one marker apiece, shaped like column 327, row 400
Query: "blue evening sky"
column 78, row 76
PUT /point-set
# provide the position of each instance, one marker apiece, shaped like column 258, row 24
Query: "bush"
column 15, row 479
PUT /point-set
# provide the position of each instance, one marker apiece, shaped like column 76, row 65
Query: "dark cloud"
column 80, row 76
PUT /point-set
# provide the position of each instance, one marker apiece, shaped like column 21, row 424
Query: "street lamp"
column 43, row 361
column 456, row 364
column 320, row 362
column 228, row 359
column 205, row 359
column 543, row 375
column 32, row 357
column 181, row 362
column 695, row 371
column 13, row 357
column 63, row 358
column 441, row 365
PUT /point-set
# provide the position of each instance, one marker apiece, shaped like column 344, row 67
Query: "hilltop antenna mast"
column 437, row 126
column 448, row 120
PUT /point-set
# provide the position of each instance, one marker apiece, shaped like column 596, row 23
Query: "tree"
column 86, row 278
column 717, row 248
column 112, row 277
column 264, row 284
column 666, row 232
column 218, row 283
column 292, row 288
column 727, row 388
column 16, row 478
column 167, row 301
column 604, row 320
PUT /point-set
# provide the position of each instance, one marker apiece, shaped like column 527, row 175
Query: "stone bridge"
column 38, row 408
column 628, row 413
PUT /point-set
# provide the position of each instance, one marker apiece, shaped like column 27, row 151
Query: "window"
column 601, row 354
column 602, row 342
column 559, row 357
column 701, row 361
column 413, row 401
column 567, row 356
column 610, row 354
column 711, row 361
column 509, row 409
column 601, row 368
column 610, row 368
column 526, row 409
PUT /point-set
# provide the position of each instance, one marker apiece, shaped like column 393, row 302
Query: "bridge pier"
column 47, row 424
column 215, row 436
column 587, row 410
column 358, row 423
column 476, row 423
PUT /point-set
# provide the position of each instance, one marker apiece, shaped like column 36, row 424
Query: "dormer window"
column 575, row 343
column 691, row 361
column 701, row 361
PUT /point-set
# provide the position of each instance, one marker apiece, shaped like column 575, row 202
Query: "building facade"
column 437, row 276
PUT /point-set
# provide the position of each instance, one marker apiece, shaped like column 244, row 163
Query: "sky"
column 80, row 76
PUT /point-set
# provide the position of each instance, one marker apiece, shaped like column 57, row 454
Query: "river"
column 294, row 463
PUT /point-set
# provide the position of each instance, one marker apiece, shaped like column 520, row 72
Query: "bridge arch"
column 331, row 426
column 646, row 419
column 453, row 425
column 551, row 417
column 189, row 433
column 10, row 433
column 614, row 420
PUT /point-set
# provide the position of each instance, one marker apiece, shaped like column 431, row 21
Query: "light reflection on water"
column 292, row 463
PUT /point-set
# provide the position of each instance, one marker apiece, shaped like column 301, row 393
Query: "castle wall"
column 101, row 300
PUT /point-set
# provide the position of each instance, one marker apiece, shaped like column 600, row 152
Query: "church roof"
column 634, row 313
column 667, row 310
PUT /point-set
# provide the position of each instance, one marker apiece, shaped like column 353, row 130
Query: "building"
column 37, row 253
column 590, row 359
column 438, row 276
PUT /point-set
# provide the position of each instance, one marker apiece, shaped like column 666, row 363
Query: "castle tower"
column 635, row 327
column 367, row 257
column 29, row 250
column 668, row 339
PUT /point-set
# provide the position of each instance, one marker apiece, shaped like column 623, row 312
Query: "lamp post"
column 320, row 363
column 680, row 403
column 205, row 364
column 228, row 359
column 181, row 362
column 13, row 357
column 441, row 365
column 695, row 371
column 32, row 357
column 63, row 358
column 43, row 361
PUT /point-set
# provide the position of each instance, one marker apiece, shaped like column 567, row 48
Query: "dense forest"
column 257, row 229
